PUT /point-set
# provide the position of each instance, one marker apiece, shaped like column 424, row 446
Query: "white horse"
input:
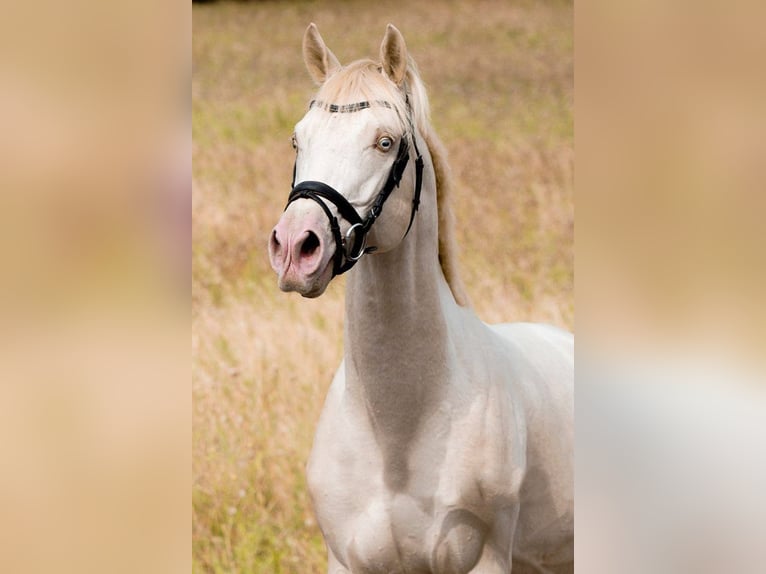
column 445, row 444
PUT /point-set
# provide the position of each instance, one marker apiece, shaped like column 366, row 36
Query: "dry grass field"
column 500, row 78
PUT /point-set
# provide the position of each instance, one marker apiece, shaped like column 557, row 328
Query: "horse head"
column 353, row 149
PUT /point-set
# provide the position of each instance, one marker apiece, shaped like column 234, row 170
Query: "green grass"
column 500, row 79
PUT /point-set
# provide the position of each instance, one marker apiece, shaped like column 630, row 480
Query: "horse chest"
column 373, row 529
column 395, row 534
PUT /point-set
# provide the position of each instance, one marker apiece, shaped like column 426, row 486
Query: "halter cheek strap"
column 351, row 248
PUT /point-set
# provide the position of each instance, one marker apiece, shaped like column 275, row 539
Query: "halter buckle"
column 347, row 243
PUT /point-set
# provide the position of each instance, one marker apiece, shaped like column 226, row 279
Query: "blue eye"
column 385, row 143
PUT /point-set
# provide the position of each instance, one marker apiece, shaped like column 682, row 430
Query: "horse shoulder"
column 540, row 368
column 341, row 469
column 543, row 376
column 338, row 439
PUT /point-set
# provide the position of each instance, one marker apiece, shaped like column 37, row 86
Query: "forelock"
column 359, row 85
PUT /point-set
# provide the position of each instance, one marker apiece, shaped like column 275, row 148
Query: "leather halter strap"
column 349, row 249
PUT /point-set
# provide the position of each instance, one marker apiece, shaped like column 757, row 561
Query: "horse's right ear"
column 320, row 61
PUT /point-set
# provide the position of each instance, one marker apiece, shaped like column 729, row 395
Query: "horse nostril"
column 275, row 239
column 310, row 244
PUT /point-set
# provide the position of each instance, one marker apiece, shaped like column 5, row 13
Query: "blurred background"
column 500, row 80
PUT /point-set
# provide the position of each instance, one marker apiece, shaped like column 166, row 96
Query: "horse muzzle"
column 301, row 250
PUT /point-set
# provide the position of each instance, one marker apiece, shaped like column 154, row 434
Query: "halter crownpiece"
column 350, row 248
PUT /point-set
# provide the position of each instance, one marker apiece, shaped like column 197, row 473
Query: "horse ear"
column 393, row 55
column 320, row 61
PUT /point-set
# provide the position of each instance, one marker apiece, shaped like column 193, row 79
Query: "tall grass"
column 500, row 79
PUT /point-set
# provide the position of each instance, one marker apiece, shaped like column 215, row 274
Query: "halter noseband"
column 350, row 248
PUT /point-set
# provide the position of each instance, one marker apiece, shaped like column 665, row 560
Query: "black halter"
column 350, row 248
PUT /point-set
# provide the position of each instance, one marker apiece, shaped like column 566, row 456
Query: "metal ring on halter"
column 350, row 256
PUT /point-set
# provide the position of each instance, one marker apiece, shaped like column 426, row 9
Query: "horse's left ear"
column 393, row 55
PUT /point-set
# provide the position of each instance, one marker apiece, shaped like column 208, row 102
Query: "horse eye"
column 294, row 142
column 385, row 143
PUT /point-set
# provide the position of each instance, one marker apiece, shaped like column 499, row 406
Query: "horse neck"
column 395, row 312
column 396, row 333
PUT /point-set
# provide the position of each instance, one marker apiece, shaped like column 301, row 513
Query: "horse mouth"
column 310, row 286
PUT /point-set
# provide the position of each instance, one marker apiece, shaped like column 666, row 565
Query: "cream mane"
column 362, row 80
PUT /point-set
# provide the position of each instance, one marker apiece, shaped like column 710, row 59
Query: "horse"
column 445, row 445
